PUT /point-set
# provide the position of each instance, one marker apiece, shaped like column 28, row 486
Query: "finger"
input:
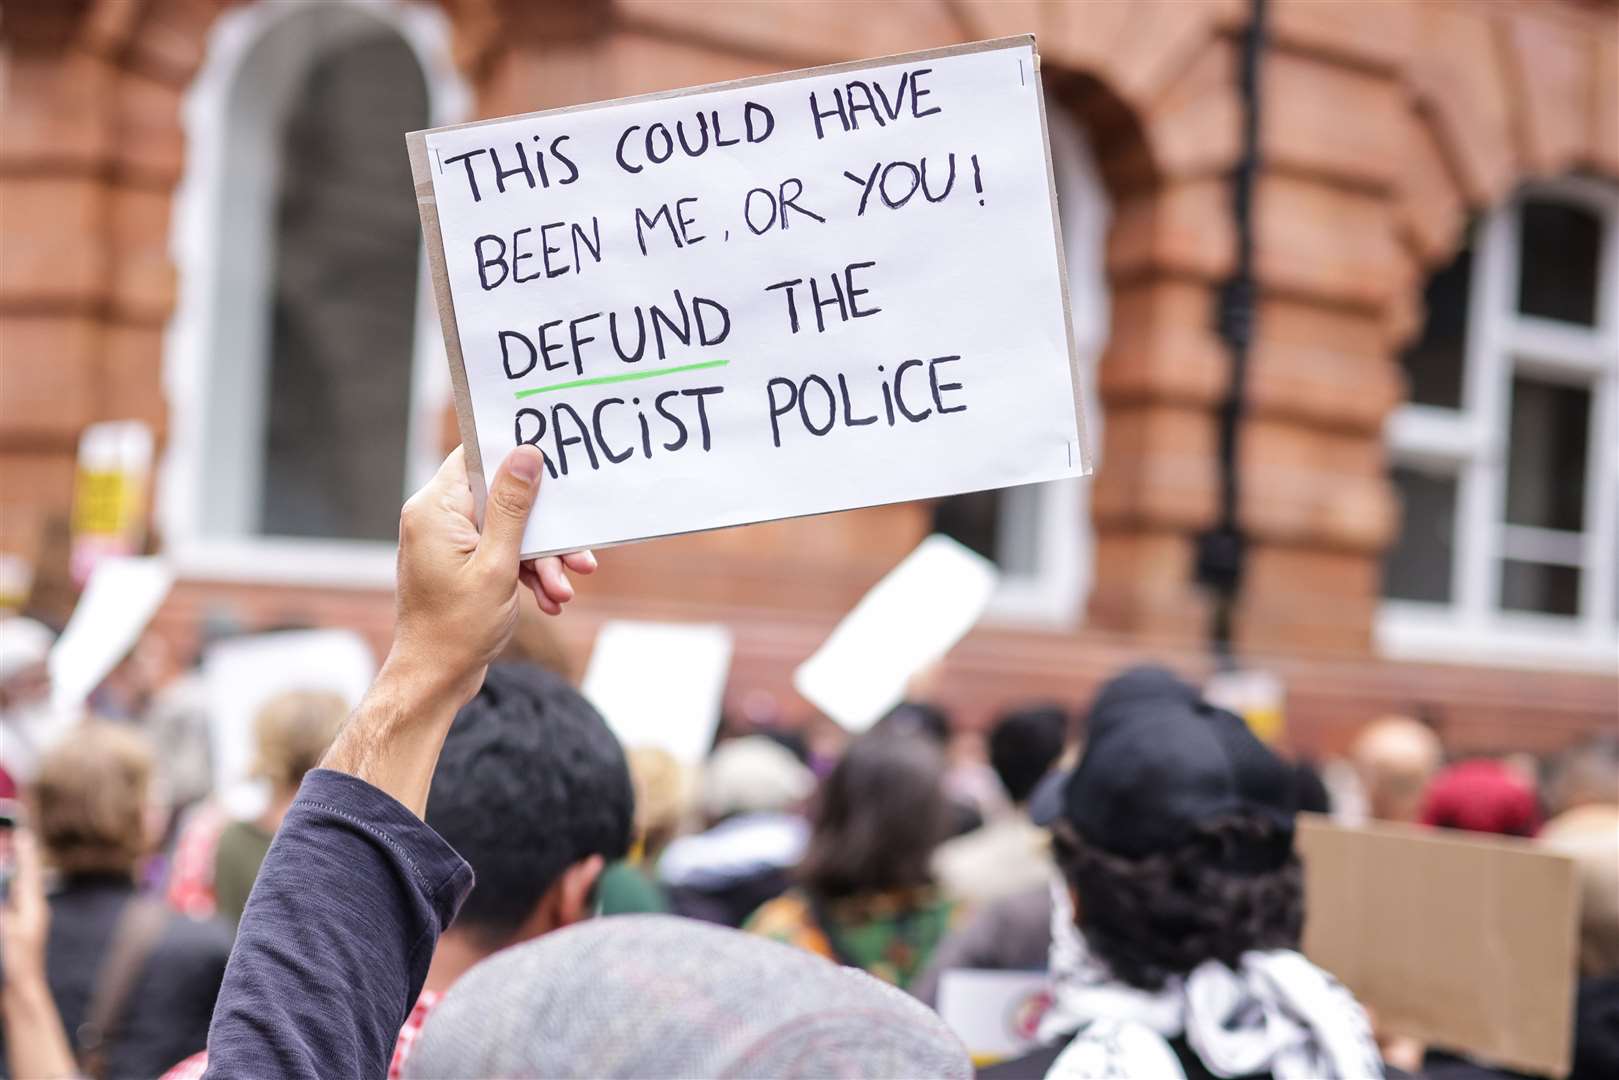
column 28, row 884
column 511, row 497
column 448, row 489
column 531, row 581
column 553, row 580
column 580, row 562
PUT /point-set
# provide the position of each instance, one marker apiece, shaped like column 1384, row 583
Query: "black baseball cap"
column 1142, row 686
column 1156, row 766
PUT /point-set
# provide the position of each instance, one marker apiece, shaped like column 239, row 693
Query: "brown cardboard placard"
column 1463, row 940
column 422, row 173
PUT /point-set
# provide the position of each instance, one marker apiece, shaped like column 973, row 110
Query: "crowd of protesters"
column 467, row 875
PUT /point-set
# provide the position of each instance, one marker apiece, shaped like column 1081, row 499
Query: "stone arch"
column 1478, row 123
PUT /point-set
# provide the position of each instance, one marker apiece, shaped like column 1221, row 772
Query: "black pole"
column 1221, row 548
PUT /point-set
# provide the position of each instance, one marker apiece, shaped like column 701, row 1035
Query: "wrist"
column 416, row 685
column 24, row 985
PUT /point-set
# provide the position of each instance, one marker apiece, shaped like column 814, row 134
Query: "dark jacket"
column 173, row 997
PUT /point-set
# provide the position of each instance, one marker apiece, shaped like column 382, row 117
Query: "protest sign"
column 908, row 620
column 1463, row 940
column 242, row 674
column 995, row 1014
column 774, row 297
column 121, row 597
column 660, row 685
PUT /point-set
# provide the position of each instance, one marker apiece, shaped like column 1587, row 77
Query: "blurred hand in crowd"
column 36, row 1045
column 458, row 591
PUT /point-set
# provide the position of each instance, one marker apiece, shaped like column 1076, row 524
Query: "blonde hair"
column 293, row 731
column 90, row 799
column 1590, row 835
column 663, row 798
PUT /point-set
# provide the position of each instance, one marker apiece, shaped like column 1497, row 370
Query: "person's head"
column 880, row 815
column 292, row 732
column 1141, row 687
column 533, row 791
column 1176, row 839
column 1482, row 795
column 1590, row 835
column 753, row 775
column 656, row 995
column 663, row 796
column 1024, row 745
column 1395, row 758
column 1584, row 775
column 916, row 718
column 93, row 802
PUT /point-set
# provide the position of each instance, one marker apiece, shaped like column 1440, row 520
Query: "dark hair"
column 1023, row 746
column 916, row 718
column 1163, row 915
column 530, row 781
column 878, row 818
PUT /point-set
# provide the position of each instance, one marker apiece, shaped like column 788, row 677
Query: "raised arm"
column 351, row 899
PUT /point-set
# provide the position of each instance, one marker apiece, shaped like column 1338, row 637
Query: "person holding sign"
column 336, row 939
column 349, row 906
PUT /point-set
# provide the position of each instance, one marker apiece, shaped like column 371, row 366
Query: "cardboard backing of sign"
column 1462, row 940
column 477, row 469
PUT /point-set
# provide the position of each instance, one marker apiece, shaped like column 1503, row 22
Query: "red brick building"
column 1429, row 457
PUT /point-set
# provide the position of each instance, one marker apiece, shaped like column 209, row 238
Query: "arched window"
column 1507, row 457
column 1040, row 535
column 303, row 365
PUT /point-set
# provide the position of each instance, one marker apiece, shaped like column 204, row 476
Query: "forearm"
column 36, row 1044
column 393, row 738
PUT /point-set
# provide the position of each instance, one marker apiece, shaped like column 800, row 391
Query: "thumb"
column 511, row 497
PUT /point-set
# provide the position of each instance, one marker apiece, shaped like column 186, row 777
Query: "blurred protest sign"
column 995, row 1014
column 1463, row 940
column 846, row 282
column 109, row 493
column 16, row 577
column 661, row 685
column 908, row 620
column 119, row 600
column 1256, row 696
column 242, row 674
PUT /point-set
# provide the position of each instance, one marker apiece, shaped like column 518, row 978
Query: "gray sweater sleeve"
column 336, row 938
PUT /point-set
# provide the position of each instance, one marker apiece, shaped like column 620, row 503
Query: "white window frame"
column 1471, row 443
column 1054, row 594
column 217, row 342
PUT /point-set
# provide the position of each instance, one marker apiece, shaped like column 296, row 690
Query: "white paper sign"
column 120, row 598
column 996, row 1014
column 778, row 297
column 243, row 674
column 661, row 685
column 908, row 620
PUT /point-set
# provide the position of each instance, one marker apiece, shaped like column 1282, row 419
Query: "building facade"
column 1428, row 452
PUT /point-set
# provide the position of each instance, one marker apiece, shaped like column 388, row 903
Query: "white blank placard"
column 243, row 674
column 661, row 685
column 118, row 601
column 908, row 620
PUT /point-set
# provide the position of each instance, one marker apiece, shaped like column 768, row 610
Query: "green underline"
column 628, row 376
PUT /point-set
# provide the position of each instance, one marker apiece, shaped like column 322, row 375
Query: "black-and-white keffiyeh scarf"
column 1276, row 1013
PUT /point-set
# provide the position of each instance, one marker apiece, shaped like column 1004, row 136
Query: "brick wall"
column 1376, row 152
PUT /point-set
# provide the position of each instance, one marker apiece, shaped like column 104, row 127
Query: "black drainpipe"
column 1221, row 549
